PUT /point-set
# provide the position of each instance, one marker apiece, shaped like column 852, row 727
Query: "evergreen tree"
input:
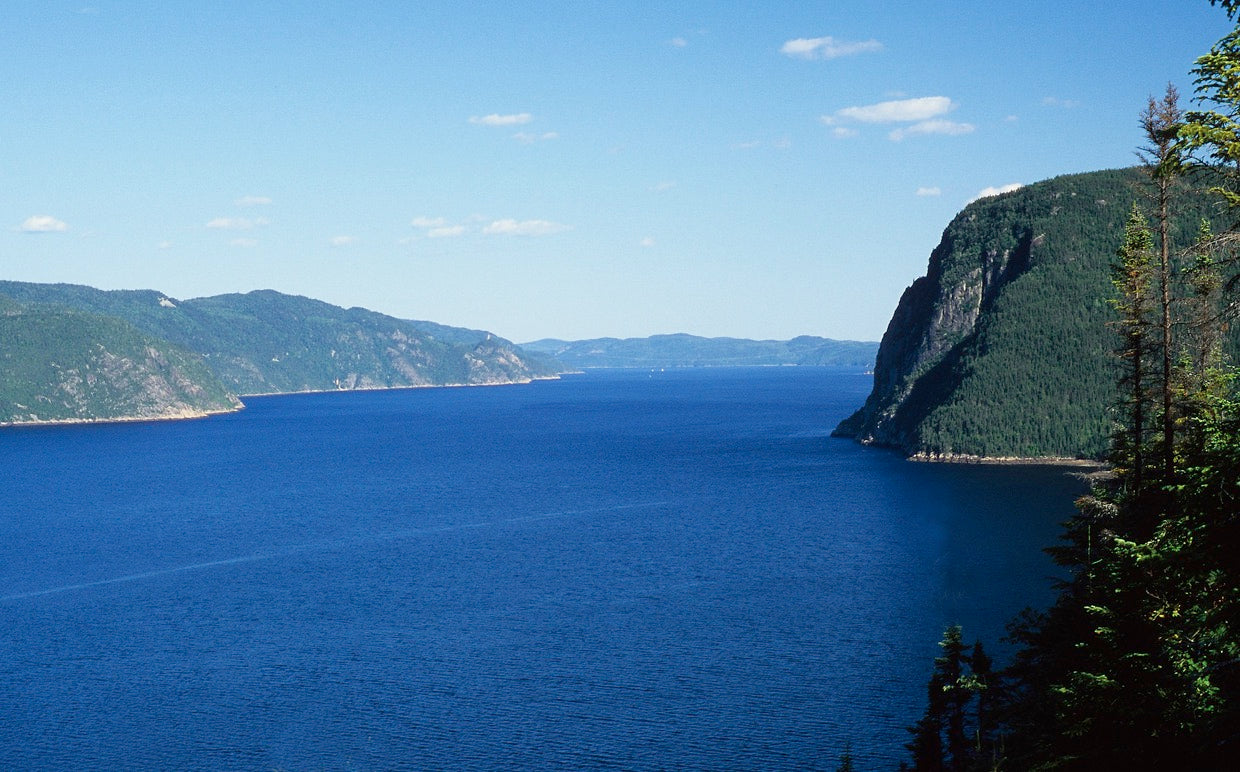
column 1133, row 277
column 1161, row 124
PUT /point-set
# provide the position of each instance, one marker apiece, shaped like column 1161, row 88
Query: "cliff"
column 1004, row 347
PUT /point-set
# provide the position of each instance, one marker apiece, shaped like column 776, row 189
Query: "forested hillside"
column 265, row 341
column 1005, row 347
column 63, row 365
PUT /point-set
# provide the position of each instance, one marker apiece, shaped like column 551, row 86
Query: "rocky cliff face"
column 1003, row 348
column 936, row 315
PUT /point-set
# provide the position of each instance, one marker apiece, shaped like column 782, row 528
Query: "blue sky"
column 555, row 169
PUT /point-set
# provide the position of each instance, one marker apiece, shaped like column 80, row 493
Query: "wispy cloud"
column 524, row 228
column 529, row 138
column 894, row 111
column 659, row 187
column 936, row 126
column 342, row 241
column 237, row 223
column 827, row 48
column 922, row 113
column 995, row 191
column 244, row 243
column 1066, row 104
column 678, row 42
column 253, row 201
column 929, row 192
column 646, row 243
column 42, row 223
column 495, row 119
column 438, row 227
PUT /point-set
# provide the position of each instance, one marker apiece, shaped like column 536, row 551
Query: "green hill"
column 266, row 341
column 1004, row 347
column 63, row 365
column 682, row 350
column 253, row 343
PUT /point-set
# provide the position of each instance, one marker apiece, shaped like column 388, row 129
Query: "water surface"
column 623, row 569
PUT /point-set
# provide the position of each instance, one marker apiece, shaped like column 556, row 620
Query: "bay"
column 621, row 569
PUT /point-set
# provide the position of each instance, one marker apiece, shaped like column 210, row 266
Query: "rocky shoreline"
column 964, row 458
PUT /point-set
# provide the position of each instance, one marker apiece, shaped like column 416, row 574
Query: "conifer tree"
column 1132, row 278
column 1162, row 157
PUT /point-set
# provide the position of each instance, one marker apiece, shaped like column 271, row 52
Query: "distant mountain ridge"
column 258, row 342
column 683, row 350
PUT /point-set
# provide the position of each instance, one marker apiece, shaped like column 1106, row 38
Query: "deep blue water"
column 624, row 570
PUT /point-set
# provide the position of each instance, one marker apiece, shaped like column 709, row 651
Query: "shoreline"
column 524, row 382
column 923, row 457
column 184, row 415
column 193, row 415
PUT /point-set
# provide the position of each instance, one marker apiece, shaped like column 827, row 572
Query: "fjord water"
column 622, row 569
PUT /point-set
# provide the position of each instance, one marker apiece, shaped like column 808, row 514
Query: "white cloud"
column 428, row 222
column 524, row 228
column 929, row 191
column 42, row 223
column 646, row 243
column 237, row 223
column 342, row 241
column 244, row 243
column 995, row 191
column 445, row 231
column 494, row 119
column 529, row 138
column 253, row 201
column 937, row 126
column 164, row 245
column 664, row 185
column 843, row 132
column 895, row 111
column 1066, row 104
column 827, row 48
column 678, row 42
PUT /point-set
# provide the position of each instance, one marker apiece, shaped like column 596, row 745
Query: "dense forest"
column 1137, row 663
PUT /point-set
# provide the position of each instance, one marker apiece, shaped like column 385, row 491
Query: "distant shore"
column 189, row 415
column 181, row 415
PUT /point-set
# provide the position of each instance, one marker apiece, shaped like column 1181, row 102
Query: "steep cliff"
column 1003, row 348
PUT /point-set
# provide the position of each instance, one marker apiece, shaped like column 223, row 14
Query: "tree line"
column 1136, row 665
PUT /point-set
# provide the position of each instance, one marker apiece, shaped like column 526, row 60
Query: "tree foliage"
column 1136, row 665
